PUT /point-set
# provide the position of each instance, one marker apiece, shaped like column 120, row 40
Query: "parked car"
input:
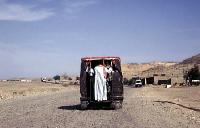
column 138, row 83
column 114, row 83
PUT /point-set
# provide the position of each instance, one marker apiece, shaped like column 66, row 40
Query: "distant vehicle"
column 43, row 79
column 114, row 85
column 138, row 83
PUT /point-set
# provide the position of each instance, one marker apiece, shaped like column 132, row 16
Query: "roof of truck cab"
column 100, row 57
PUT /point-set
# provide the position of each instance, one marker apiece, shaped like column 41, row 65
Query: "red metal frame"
column 100, row 57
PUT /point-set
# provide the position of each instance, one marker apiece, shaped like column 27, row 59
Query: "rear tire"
column 84, row 105
column 116, row 105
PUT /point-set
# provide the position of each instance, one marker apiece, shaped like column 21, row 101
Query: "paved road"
column 61, row 110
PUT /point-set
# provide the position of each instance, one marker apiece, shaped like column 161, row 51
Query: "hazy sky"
column 47, row 37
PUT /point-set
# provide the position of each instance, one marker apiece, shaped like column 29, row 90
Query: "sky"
column 48, row 37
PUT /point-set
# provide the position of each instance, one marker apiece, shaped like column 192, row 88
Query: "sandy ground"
column 9, row 90
column 147, row 107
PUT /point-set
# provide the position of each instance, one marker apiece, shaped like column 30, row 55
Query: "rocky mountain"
column 192, row 60
column 133, row 69
column 168, row 68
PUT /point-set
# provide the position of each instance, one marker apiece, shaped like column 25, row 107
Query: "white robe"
column 100, row 84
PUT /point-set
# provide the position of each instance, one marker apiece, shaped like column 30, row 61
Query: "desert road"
column 146, row 107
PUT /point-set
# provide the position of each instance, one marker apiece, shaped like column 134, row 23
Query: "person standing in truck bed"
column 100, row 83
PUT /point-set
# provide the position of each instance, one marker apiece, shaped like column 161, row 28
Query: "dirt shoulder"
column 188, row 96
column 172, row 107
column 10, row 90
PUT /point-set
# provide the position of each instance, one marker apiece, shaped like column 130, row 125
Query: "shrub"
column 57, row 77
column 193, row 74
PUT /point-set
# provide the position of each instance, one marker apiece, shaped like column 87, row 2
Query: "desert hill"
column 134, row 69
column 192, row 60
column 170, row 69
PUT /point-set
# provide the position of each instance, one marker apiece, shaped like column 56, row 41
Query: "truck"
column 111, row 82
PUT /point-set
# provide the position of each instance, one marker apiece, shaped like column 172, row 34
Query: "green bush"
column 57, row 77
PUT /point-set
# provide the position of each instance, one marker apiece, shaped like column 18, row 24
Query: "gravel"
column 141, row 109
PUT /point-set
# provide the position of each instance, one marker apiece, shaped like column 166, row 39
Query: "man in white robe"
column 100, row 83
